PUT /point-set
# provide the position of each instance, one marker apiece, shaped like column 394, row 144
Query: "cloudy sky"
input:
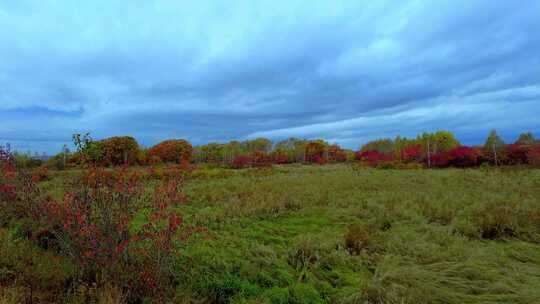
column 345, row 71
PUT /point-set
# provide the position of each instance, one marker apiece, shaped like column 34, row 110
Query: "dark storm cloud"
column 346, row 71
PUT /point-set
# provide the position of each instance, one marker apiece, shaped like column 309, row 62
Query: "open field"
column 327, row 234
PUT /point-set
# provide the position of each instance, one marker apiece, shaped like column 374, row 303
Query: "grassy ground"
column 336, row 234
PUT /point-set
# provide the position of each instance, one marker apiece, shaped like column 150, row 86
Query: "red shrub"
column 463, row 157
column 440, row 159
column 319, row 160
column 315, row 151
column 336, row 154
column 281, row 158
column 412, row 154
column 8, row 175
column 241, row 161
column 533, row 156
column 91, row 226
column 373, row 157
column 517, row 154
column 260, row 159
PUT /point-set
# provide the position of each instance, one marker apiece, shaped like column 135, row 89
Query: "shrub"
column 373, row 157
column 92, row 227
column 173, row 150
column 91, row 223
column 119, row 150
column 463, row 157
column 412, row 154
column 439, row 160
column 517, row 154
column 360, row 237
column 533, row 156
column 319, row 160
column 8, row 175
column 281, row 158
column 336, row 154
column 260, row 159
column 315, row 151
column 241, row 161
column 499, row 220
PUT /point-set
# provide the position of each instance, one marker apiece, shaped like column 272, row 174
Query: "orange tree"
column 119, row 150
column 172, row 150
column 316, row 151
column 336, row 154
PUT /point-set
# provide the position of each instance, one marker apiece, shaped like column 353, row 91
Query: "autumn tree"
column 119, row 150
column 316, row 151
column 172, row 150
column 294, row 147
column 258, row 145
column 336, row 154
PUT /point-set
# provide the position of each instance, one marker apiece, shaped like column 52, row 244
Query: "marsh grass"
column 341, row 234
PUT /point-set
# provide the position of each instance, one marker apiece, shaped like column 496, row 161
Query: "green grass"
column 284, row 235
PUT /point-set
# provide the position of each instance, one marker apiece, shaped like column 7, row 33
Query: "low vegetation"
column 248, row 222
column 340, row 233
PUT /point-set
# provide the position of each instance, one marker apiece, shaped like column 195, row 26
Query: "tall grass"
column 338, row 234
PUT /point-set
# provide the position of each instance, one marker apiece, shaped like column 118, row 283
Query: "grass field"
column 340, row 234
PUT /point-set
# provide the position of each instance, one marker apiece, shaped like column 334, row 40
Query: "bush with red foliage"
column 8, row 175
column 91, row 226
column 336, row 154
column 319, row 160
column 315, row 152
column 412, row 154
column 173, row 150
column 440, row 159
column 91, row 222
column 260, row 159
column 241, row 161
column 463, row 157
column 281, row 158
column 19, row 192
column 119, row 150
column 533, row 156
column 373, row 157
column 156, row 274
column 517, row 154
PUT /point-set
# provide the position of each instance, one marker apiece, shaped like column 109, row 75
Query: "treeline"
column 442, row 149
column 122, row 150
column 435, row 150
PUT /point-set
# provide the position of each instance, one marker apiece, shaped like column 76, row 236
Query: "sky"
column 213, row 71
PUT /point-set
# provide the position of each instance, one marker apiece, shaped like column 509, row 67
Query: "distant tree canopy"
column 316, row 151
column 494, row 148
column 172, row 150
column 438, row 149
column 119, row 150
column 115, row 150
column 385, row 146
column 440, row 141
column 526, row 139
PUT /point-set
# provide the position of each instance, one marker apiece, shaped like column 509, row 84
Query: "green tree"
column 385, row 145
column 294, row 147
column 258, row 145
column 526, row 139
column 494, row 148
column 90, row 151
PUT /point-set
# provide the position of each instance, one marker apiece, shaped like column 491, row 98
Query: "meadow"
column 339, row 233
